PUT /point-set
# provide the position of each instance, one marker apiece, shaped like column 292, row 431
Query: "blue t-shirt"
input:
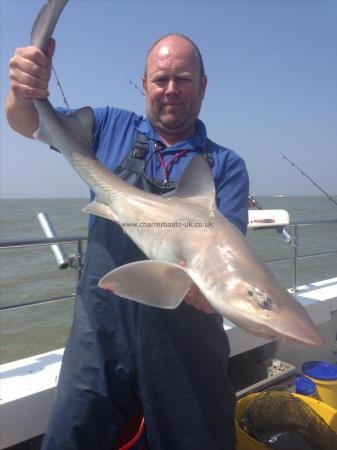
column 113, row 135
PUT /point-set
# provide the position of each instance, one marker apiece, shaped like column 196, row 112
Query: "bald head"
column 178, row 39
column 174, row 87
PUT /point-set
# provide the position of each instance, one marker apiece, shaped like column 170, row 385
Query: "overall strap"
column 134, row 161
column 140, row 146
column 208, row 150
column 132, row 167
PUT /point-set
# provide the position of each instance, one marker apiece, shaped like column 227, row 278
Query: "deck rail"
column 76, row 260
column 294, row 226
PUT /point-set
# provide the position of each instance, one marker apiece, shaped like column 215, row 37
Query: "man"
column 120, row 353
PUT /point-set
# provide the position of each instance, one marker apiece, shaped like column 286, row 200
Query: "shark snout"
column 303, row 330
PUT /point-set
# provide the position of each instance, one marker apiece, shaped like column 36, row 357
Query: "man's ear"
column 203, row 85
column 144, row 84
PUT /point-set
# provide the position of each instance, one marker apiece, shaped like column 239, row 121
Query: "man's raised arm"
column 29, row 74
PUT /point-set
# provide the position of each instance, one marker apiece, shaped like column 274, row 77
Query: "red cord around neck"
column 166, row 166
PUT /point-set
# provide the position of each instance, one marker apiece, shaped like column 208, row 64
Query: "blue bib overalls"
column 121, row 354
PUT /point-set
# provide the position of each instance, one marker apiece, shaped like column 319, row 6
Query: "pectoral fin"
column 155, row 283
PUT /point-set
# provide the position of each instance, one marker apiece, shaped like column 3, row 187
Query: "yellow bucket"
column 245, row 442
column 324, row 375
column 327, row 391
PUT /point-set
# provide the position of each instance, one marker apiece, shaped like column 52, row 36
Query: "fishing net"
column 284, row 422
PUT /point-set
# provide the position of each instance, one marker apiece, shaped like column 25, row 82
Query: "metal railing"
column 76, row 259
column 295, row 246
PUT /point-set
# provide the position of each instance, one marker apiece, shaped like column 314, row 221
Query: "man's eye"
column 182, row 80
column 160, row 80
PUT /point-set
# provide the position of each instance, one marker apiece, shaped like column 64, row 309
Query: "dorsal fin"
column 80, row 124
column 196, row 183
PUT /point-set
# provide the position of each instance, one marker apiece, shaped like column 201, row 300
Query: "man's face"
column 173, row 87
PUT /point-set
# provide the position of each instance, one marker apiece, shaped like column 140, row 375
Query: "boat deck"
column 28, row 385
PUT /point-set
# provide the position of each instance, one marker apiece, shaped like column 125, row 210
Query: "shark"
column 210, row 252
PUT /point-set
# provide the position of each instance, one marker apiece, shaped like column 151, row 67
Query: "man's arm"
column 195, row 298
column 29, row 74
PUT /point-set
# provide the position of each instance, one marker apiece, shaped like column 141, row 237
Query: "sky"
column 272, row 83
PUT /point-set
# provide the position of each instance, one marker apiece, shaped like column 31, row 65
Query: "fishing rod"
column 135, row 86
column 60, row 87
column 309, row 178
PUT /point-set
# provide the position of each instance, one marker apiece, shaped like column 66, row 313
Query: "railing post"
column 76, row 259
column 294, row 243
column 79, row 252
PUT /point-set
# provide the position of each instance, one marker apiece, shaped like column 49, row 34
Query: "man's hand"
column 195, row 298
column 30, row 71
column 29, row 74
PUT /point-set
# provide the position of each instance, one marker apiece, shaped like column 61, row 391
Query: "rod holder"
column 60, row 255
column 286, row 236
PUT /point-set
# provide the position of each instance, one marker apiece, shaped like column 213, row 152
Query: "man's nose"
column 171, row 87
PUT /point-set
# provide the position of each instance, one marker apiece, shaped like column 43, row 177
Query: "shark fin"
column 196, row 183
column 78, row 123
column 155, row 283
column 101, row 210
column 45, row 23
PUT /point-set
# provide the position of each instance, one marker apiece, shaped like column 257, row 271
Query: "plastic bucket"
column 305, row 386
column 132, row 435
column 325, row 377
column 245, row 442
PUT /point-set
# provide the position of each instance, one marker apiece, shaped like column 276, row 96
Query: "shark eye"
column 262, row 299
column 250, row 293
column 266, row 302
